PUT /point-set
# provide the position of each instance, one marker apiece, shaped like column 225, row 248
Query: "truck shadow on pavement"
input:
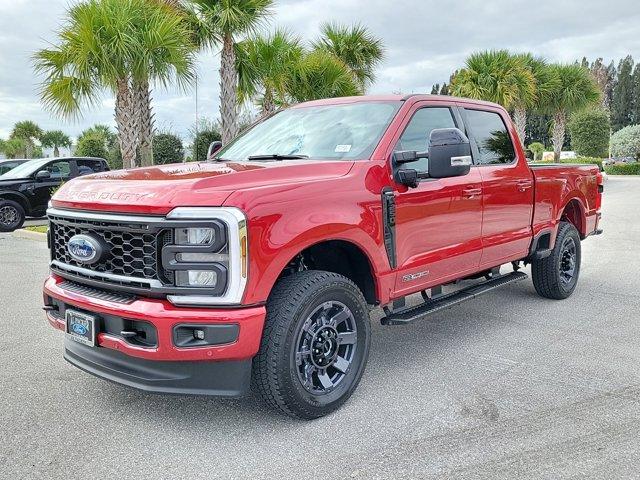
column 396, row 354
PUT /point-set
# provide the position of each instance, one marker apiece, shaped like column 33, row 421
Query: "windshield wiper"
column 276, row 156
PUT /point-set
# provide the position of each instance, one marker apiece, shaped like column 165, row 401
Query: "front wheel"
column 314, row 346
column 11, row 215
column 556, row 276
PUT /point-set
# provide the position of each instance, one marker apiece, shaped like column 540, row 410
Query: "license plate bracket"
column 80, row 327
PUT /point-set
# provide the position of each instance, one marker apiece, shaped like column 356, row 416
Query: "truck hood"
column 157, row 190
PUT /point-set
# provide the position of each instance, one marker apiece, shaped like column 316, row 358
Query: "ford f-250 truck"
column 260, row 268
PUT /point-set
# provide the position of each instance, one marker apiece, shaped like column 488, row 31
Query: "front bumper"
column 162, row 366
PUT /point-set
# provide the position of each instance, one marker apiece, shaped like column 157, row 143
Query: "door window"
column 87, row 167
column 491, row 136
column 416, row 135
column 60, row 170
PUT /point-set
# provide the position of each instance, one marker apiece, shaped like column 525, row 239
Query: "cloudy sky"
column 425, row 40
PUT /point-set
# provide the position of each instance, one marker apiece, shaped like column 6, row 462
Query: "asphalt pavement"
column 508, row 386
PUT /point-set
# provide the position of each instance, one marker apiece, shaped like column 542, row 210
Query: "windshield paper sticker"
column 343, row 148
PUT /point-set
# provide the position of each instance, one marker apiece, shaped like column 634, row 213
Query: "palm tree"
column 116, row 45
column 355, row 46
column 265, row 66
column 223, row 21
column 574, row 89
column 499, row 77
column 544, row 82
column 28, row 132
column 321, row 75
column 55, row 139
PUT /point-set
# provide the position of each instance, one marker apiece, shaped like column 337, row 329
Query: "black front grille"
column 97, row 293
column 132, row 249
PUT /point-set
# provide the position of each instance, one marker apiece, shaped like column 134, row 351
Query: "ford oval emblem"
column 79, row 329
column 85, row 249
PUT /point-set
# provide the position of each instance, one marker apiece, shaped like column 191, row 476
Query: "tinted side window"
column 59, row 170
column 5, row 167
column 492, row 137
column 87, row 167
column 416, row 135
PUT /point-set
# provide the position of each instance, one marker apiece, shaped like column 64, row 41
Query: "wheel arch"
column 574, row 212
column 18, row 198
column 337, row 255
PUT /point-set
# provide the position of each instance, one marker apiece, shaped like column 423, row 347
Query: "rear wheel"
column 11, row 215
column 556, row 276
column 314, row 346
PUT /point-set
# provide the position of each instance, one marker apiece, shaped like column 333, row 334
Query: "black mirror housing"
column 449, row 153
column 213, row 149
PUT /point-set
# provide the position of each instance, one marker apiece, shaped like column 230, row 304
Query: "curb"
column 40, row 237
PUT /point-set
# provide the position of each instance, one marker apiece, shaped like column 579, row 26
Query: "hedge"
column 623, row 169
column 582, row 160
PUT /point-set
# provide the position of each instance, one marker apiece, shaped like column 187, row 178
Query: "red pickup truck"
column 260, row 267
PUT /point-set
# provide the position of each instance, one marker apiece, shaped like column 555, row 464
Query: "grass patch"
column 39, row 229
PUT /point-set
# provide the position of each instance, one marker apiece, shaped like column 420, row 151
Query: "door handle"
column 471, row 192
column 524, row 186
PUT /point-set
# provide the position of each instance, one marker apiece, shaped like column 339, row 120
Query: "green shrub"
column 537, row 149
column 91, row 146
column 579, row 160
column 201, row 144
column 590, row 130
column 167, row 148
column 623, row 169
column 626, row 142
column 114, row 158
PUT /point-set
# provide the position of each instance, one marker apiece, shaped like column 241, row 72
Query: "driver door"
column 439, row 223
column 60, row 171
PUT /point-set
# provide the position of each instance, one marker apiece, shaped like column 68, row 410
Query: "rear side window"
column 87, row 167
column 492, row 137
column 416, row 135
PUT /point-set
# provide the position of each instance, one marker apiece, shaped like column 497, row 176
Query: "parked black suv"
column 25, row 190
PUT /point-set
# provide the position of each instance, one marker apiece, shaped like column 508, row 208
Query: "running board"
column 441, row 302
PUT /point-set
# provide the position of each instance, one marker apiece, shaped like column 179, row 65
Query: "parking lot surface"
column 508, row 386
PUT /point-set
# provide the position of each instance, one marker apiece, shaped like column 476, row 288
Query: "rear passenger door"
column 507, row 186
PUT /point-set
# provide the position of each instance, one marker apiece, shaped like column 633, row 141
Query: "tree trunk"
column 145, row 135
column 228, row 91
column 520, row 120
column 557, row 134
column 56, row 151
column 268, row 104
column 126, row 123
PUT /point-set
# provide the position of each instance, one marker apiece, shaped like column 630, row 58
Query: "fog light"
column 196, row 278
column 198, row 334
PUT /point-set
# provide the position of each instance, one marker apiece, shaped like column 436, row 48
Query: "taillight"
column 600, row 183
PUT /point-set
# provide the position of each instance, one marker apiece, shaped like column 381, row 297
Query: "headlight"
column 208, row 255
column 195, row 236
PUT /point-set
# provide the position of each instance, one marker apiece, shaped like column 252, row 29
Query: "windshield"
column 327, row 132
column 25, row 170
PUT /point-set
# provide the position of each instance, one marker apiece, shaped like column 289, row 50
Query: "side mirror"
column 43, row 175
column 213, row 148
column 449, row 153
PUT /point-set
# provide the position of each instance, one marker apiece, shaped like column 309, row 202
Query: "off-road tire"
column 547, row 276
column 275, row 375
column 10, row 205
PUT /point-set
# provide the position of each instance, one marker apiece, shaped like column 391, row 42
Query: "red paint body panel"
column 441, row 228
column 164, row 316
